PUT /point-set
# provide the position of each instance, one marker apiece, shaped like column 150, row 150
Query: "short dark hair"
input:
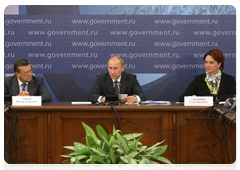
column 217, row 55
column 20, row 62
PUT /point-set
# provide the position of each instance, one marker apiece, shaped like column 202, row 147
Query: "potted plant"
column 114, row 148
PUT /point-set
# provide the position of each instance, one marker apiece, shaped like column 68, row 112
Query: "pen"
column 179, row 102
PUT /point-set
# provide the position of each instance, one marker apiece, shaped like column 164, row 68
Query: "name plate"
column 26, row 100
column 198, row 101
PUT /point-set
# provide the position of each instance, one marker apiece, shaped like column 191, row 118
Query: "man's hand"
column 103, row 99
column 131, row 99
column 24, row 93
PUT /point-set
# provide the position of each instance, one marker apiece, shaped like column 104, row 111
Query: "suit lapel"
column 15, row 86
column 109, row 84
column 31, row 87
column 123, row 83
column 223, row 84
column 206, row 90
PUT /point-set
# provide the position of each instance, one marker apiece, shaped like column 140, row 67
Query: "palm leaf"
column 154, row 146
column 162, row 159
column 123, row 142
column 131, row 136
column 90, row 141
column 90, row 132
column 101, row 132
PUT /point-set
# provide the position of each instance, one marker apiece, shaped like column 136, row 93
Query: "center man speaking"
column 116, row 81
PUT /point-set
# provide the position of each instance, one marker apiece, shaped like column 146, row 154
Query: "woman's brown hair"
column 217, row 55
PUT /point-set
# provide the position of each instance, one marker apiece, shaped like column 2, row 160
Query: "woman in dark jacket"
column 214, row 81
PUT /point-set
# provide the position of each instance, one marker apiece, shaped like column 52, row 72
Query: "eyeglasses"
column 28, row 72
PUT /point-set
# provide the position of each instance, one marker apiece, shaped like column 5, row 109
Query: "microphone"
column 111, row 98
column 215, row 99
column 234, row 106
column 7, row 99
column 231, row 102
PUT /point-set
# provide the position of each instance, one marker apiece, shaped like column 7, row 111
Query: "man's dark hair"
column 20, row 62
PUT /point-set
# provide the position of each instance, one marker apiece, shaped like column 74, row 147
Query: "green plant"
column 114, row 148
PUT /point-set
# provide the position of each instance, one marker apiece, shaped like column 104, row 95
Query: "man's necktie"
column 24, row 85
column 116, row 90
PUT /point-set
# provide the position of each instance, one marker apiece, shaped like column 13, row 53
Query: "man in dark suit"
column 23, row 83
column 125, row 82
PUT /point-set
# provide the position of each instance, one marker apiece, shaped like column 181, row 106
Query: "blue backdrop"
column 162, row 45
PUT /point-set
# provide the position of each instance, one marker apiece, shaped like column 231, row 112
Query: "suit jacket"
column 199, row 87
column 36, row 87
column 104, row 85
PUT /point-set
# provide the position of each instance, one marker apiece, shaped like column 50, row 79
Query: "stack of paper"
column 151, row 102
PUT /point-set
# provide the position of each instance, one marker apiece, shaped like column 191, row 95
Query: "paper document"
column 81, row 102
column 152, row 102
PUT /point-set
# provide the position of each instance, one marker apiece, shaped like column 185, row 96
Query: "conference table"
column 44, row 130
